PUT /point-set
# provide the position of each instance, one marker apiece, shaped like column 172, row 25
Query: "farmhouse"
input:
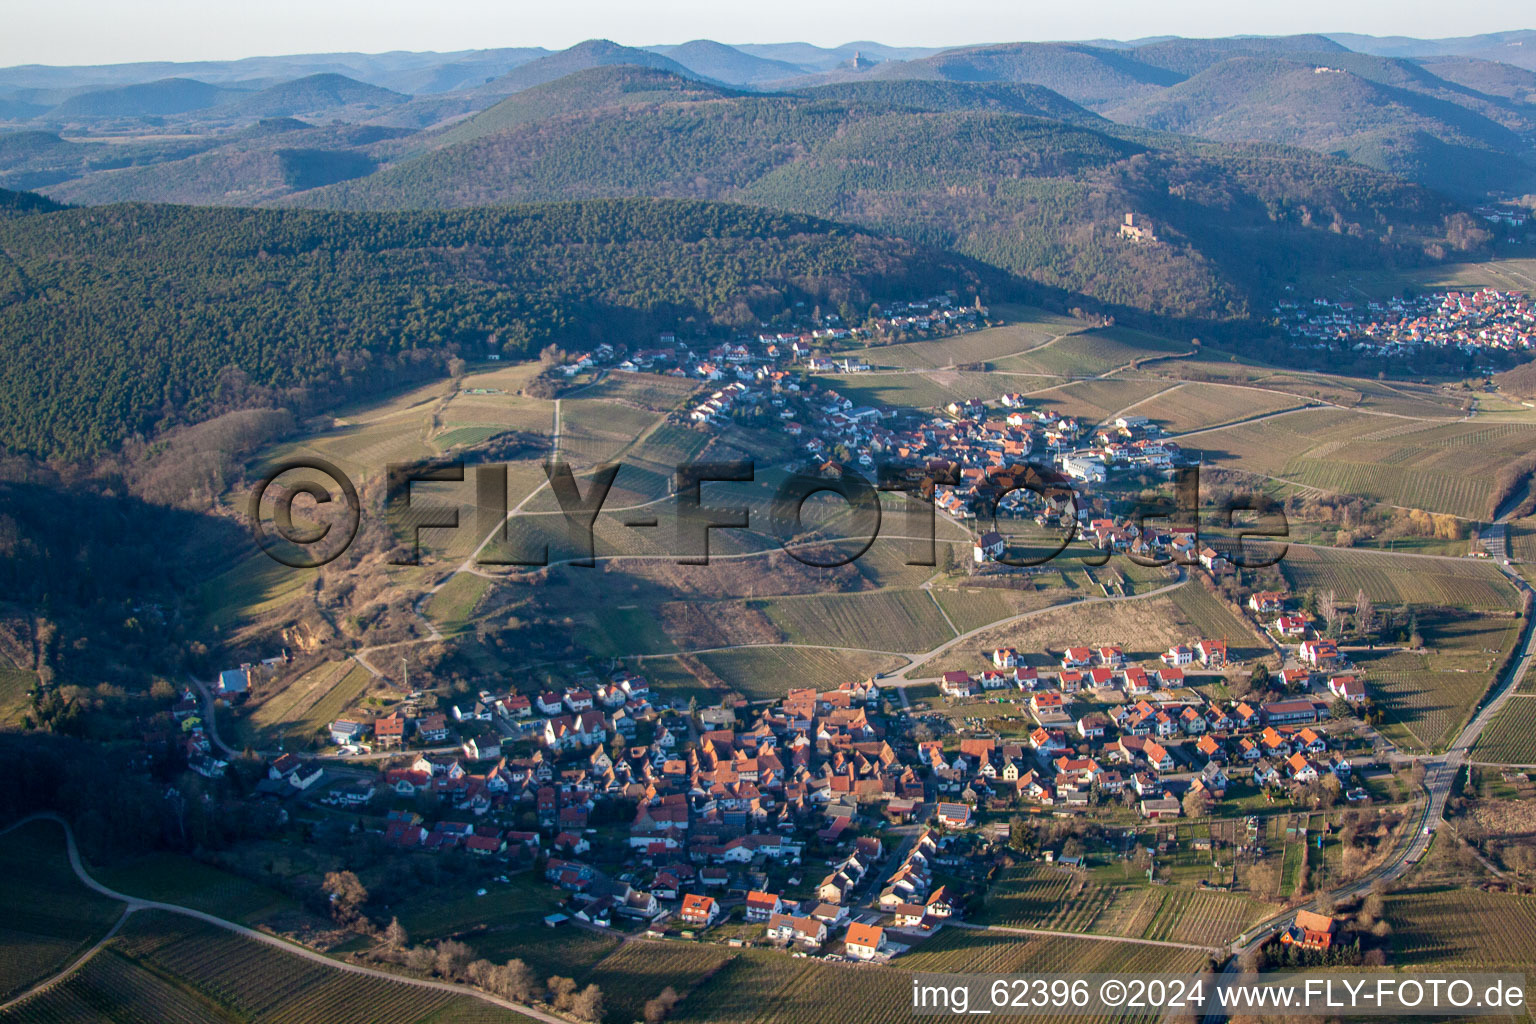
column 1311, row 931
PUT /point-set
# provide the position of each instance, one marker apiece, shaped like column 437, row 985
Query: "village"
column 1468, row 320
column 849, row 823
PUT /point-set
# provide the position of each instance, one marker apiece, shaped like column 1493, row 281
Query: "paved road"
column 135, row 904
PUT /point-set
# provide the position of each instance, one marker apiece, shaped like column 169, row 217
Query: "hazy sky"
column 102, row 31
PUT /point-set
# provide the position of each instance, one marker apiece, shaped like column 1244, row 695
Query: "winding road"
column 134, row 904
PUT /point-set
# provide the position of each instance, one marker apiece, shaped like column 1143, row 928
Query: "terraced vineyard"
column 1463, row 928
column 1510, row 737
column 1387, row 579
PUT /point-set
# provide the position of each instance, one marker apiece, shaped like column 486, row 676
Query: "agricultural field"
column 14, row 685
column 1027, row 329
column 1092, row 352
column 922, row 389
column 1438, row 466
column 767, row 672
column 1188, row 406
column 1210, row 617
column 973, row 607
column 177, row 878
column 508, row 922
column 50, row 918
column 1427, row 697
column 306, row 704
column 1100, row 400
column 766, row 987
column 882, row 620
column 1397, row 579
column 162, row 968
column 1040, row 896
column 1510, row 738
column 453, row 606
column 1462, row 928
column 1144, row 626
column 638, row 970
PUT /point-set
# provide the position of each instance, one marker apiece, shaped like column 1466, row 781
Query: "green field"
column 454, row 605
column 508, row 922
column 638, row 970
column 177, row 878
column 50, row 918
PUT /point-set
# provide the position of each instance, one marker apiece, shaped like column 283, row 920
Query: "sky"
column 111, row 31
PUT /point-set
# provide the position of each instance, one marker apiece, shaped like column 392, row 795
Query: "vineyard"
column 1034, row 896
column 973, row 607
column 1389, row 579
column 1511, row 737
column 1463, row 928
column 766, row 672
column 1194, row 406
column 762, row 987
column 1091, row 352
column 309, row 702
column 638, row 970
column 1036, row 329
column 1095, row 401
column 887, row 620
column 49, row 916
column 164, row 969
column 1209, row 617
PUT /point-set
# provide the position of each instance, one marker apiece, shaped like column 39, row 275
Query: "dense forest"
column 122, row 321
column 973, row 168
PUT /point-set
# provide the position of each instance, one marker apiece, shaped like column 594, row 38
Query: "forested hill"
column 121, row 320
column 973, row 168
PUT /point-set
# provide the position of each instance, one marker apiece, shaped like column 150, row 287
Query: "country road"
column 135, row 904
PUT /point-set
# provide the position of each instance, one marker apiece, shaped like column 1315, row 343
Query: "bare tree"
column 1365, row 613
column 588, row 1004
column 1328, row 608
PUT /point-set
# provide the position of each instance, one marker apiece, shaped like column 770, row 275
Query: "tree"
column 395, row 937
column 1328, row 608
column 1018, row 833
column 657, row 1010
column 588, row 1004
column 1365, row 614
column 347, row 896
column 561, row 992
column 451, row 958
column 522, row 985
column 1197, row 803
